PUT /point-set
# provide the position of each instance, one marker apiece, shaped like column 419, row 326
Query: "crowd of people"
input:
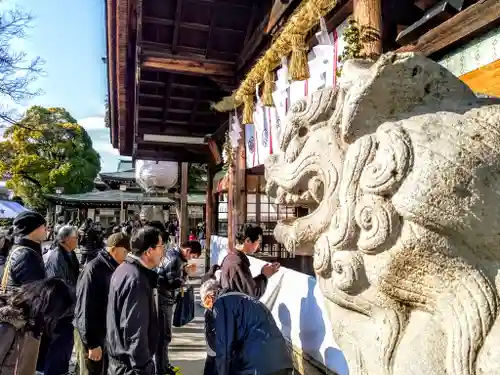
column 115, row 306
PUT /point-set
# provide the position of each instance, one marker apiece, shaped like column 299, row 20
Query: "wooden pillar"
column 209, row 208
column 258, row 205
column 231, row 217
column 183, row 215
column 242, row 180
column 368, row 15
column 215, row 213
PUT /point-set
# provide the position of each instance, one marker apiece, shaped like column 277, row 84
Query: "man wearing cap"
column 92, row 300
column 25, row 264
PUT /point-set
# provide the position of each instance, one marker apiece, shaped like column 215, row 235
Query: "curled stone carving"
column 347, row 272
column 321, row 260
column 400, row 168
column 392, row 160
column 378, row 221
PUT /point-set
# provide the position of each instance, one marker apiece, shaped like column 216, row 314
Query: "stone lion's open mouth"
column 308, row 192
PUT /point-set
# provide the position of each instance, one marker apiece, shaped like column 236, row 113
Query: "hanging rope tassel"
column 267, row 93
column 248, row 108
column 299, row 69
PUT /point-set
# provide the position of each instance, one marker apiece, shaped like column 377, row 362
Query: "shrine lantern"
column 156, row 176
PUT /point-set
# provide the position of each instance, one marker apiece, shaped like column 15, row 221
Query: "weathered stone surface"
column 401, row 168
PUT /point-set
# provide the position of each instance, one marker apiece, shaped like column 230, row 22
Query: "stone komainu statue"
column 400, row 166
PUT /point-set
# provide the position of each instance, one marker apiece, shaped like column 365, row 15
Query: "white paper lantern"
column 156, row 175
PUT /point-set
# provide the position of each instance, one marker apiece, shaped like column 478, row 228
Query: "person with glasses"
column 91, row 303
column 131, row 318
column 172, row 273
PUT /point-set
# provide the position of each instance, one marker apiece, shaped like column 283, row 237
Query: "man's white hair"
column 65, row 232
column 209, row 287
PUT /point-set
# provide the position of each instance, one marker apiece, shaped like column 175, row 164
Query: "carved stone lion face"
column 319, row 132
column 303, row 174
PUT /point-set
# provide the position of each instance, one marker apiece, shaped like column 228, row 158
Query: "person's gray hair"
column 209, row 287
column 65, row 232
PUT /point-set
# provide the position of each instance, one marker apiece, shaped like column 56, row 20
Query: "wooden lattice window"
column 260, row 210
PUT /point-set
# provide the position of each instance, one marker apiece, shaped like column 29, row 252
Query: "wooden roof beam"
column 187, row 25
column 226, row 2
column 475, row 19
column 253, row 43
column 175, row 154
column 168, row 89
column 278, row 10
column 186, row 65
column 196, row 130
column 177, row 26
column 151, row 120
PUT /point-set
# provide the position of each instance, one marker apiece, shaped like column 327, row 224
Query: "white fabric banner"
column 264, row 139
column 252, row 158
column 297, row 305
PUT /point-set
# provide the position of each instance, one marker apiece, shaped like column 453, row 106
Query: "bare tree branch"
column 17, row 71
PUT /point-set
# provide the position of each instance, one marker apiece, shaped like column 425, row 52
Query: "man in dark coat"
column 25, row 263
column 172, row 273
column 90, row 241
column 92, row 301
column 60, row 262
column 247, row 339
column 131, row 319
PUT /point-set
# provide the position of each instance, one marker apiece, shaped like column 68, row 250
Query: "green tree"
column 45, row 150
column 197, row 177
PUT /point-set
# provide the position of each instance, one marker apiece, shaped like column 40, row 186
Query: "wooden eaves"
column 171, row 63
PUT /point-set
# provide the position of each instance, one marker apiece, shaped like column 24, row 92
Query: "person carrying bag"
column 184, row 308
column 25, row 314
column 27, row 344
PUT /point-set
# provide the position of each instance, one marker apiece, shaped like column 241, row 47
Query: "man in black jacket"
column 91, row 241
column 25, row 263
column 246, row 337
column 91, row 303
column 172, row 272
column 131, row 319
column 60, row 262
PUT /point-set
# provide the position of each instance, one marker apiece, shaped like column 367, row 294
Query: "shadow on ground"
column 194, row 367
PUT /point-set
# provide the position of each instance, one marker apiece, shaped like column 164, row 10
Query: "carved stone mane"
column 400, row 166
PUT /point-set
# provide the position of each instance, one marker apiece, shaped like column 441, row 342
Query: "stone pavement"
column 187, row 349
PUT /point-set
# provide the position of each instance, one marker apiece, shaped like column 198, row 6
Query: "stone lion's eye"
column 302, row 131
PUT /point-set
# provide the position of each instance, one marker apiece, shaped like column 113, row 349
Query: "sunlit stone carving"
column 401, row 168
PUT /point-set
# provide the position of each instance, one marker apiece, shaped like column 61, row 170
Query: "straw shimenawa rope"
column 267, row 91
column 292, row 40
column 248, row 109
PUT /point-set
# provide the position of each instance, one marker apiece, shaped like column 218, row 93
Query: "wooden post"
column 209, row 208
column 368, row 15
column 231, row 217
column 242, row 180
column 183, row 217
column 215, row 213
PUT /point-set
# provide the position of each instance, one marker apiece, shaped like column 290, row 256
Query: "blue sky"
column 70, row 36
